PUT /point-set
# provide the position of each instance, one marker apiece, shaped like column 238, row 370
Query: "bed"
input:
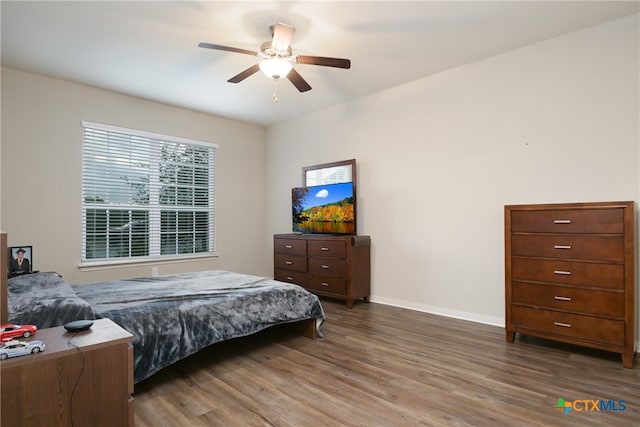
column 170, row 317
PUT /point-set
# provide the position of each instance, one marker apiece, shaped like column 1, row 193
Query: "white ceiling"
column 150, row 49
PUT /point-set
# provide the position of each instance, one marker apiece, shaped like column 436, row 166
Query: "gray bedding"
column 170, row 317
column 44, row 300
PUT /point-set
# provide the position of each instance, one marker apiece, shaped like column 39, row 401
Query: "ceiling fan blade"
column 321, row 60
column 244, row 74
column 282, row 36
column 297, row 80
column 227, row 48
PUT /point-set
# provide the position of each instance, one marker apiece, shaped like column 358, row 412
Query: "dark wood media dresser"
column 331, row 266
column 569, row 274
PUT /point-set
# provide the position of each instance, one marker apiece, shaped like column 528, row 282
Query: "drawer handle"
column 325, row 266
column 562, row 247
column 288, row 246
column 566, row 273
column 564, row 325
column 562, row 221
column 559, row 298
column 324, row 249
column 324, row 284
column 288, row 262
column 289, row 278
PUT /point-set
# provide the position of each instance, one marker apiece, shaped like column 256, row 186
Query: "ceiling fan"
column 278, row 58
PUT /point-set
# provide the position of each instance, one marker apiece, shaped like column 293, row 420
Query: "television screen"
column 324, row 209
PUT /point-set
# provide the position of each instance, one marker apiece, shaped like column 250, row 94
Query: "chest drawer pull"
column 324, row 284
column 324, row 249
column 289, row 278
column 562, row 221
column 559, row 298
column 288, row 246
column 288, row 262
column 561, row 246
column 326, row 267
column 566, row 273
column 564, row 325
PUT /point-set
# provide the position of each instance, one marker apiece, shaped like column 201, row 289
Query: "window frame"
column 154, row 209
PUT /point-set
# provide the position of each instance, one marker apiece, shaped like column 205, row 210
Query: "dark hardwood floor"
column 385, row 366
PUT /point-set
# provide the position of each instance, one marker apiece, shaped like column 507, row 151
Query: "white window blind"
column 331, row 175
column 146, row 195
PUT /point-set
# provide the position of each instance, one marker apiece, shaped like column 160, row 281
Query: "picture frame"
column 20, row 260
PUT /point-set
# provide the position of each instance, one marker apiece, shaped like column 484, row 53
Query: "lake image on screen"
column 325, row 209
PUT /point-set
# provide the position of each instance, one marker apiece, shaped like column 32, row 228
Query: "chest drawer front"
column 605, row 248
column 610, row 276
column 289, row 276
column 336, row 285
column 290, row 246
column 328, row 248
column 591, row 302
column 587, row 328
column 288, row 262
column 607, row 221
column 327, row 266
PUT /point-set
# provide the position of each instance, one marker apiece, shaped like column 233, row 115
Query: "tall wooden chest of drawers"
column 331, row 266
column 569, row 274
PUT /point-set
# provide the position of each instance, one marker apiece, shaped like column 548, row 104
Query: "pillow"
column 44, row 300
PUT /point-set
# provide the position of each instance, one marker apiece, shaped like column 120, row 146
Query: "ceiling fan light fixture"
column 275, row 68
column 276, row 59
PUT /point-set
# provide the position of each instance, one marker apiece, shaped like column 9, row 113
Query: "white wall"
column 439, row 158
column 41, row 187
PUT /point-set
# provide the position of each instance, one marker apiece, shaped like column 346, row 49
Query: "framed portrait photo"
column 20, row 260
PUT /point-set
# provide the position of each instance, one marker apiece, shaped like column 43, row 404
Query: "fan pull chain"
column 275, row 91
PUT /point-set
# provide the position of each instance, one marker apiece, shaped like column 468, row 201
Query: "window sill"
column 118, row 263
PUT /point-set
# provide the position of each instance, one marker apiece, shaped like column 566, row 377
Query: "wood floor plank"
column 385, row 366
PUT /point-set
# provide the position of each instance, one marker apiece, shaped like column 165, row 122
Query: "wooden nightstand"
column 81, row 379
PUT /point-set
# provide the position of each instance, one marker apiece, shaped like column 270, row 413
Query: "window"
column 145, row 195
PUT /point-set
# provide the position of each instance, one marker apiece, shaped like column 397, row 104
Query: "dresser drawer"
column 289, row 262
column 595, row 221
column 587, row 301
column 130, row 361
column 610, row 276
column 335, row 285
column 328, row 248
column 289, row 276
column 328, row 266
column 132, row 411
column 587, row 328
column 570, row 246
column 290, row 246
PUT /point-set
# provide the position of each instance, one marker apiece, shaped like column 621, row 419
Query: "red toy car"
column 9, row 331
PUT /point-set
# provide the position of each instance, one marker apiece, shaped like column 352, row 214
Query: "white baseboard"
column 463, row 315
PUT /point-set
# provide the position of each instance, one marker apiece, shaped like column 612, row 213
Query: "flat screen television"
column 324, row 209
